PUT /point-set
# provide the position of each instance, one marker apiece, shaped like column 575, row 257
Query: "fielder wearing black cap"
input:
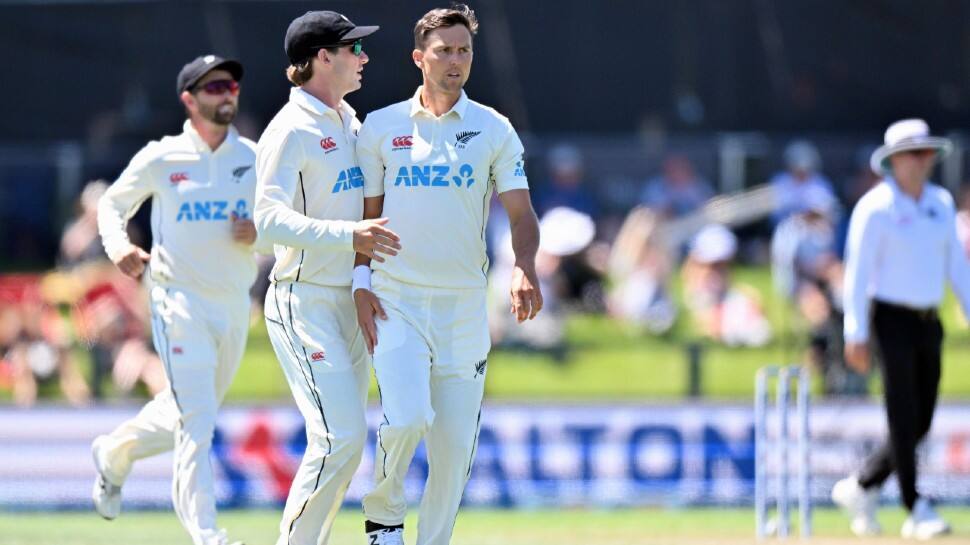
column 315, row 30
column 191, row 73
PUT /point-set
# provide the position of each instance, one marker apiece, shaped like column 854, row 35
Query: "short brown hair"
column 458, row 14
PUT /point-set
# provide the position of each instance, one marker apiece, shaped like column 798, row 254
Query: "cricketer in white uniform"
column 202, row 183
column 430, row 165
column 309, row 204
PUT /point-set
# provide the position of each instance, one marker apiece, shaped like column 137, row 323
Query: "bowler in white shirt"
column 430, row 165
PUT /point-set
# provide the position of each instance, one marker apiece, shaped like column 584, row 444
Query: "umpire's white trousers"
column 200, row 339
column 322, row 352
column 430, row 366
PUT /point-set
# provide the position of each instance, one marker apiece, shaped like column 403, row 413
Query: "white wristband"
column 361, row 279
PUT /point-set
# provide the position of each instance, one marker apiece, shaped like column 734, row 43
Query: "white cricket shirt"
column 194, row 191
column 436, row 175
column 900, row 251
column 309, row 192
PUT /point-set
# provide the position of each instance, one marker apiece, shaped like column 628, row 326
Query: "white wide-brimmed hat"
column 907, row 135
column 714, row 243
column 564, row 231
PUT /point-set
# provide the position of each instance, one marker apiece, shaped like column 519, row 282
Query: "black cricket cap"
column 191, row 73
column 318, row 29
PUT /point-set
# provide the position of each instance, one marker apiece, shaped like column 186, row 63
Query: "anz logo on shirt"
column 210, row 211
column 351, row 178
column 435, row 176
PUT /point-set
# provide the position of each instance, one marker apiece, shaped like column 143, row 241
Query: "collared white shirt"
column 194, row 192
column 309, row 192
column 900, row 251
column 437, row 175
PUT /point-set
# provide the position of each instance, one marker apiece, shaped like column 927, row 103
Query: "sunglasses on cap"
column 218, row 87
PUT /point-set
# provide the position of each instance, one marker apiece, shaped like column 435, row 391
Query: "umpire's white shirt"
column 437, row 175
column 307, row 170
column 194, row 191
column 900, row 251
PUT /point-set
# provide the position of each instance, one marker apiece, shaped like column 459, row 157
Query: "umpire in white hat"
column 902, row 247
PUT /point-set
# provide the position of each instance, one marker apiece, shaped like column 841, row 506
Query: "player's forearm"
column 525, row 239
column 373, row 208
column 112, row 226
column 279, row 224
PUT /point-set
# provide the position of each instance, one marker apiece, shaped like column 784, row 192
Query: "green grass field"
column 605, row 361
column 474, row 527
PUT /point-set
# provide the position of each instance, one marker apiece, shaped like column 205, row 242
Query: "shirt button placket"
column 436, row 136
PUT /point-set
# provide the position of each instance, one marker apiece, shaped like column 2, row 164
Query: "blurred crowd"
column 85, row 308
column 669, row 264
column 666, row 266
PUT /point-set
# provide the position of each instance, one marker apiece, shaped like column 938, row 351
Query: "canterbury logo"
column 327, row 143
column 317, row 356
column 401, row 142
column 464, row 137
column 177, row 177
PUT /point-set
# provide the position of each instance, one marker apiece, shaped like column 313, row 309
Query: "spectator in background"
column 109, row 308
column 112, row 319
column 802, row 164
column 722, row 310
column 565, row 185
column 861, row 181
column 40, row 354
column 639, row 269
column 565, row 235
column 678, row 190
column 80, row 241
column 806, row 269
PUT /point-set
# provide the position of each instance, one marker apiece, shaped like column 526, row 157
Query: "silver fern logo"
column 463, row 138
column 480, row 368
column 238, row 172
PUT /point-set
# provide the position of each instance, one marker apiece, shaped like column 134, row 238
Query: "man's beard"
column 222, row 114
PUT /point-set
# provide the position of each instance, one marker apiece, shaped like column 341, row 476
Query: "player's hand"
column 371, row 237
column 525, row 293
column 368, row 306
column 857, row 357
column 133, row 262
column 243, row 229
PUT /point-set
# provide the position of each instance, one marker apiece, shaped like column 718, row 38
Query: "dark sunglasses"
column 219, row 86
column 924, row 152
column 356, row 47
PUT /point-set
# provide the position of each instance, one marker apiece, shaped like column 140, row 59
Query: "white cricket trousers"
column 315, row 336
column 430, row 363
column 200, row 339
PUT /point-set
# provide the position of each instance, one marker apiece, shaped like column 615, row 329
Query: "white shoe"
column 386, row 536
column 860, row 504
column 106, row 495
column 924, row 522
